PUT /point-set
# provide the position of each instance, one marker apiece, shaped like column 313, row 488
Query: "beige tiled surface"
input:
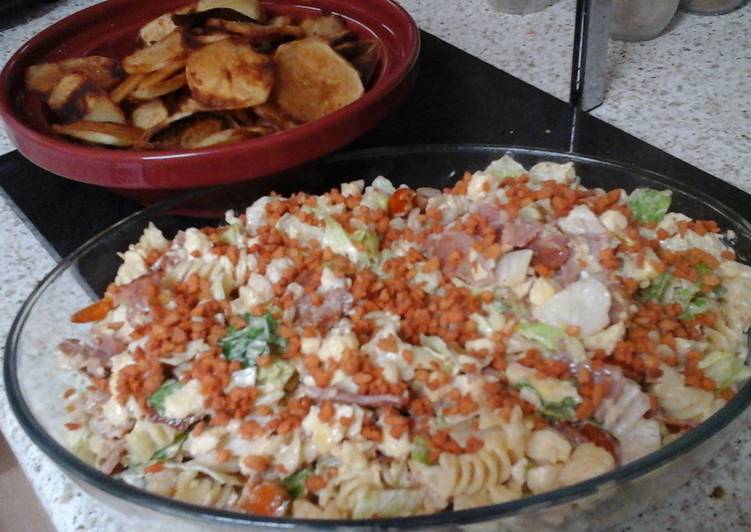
column 20, row 510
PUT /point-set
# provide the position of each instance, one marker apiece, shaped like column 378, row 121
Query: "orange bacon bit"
column 372, row 433
column 315, row 483
column 94, row 312
column 154, row 468
column 728, row 254
column 268, row 498
column 257, row 463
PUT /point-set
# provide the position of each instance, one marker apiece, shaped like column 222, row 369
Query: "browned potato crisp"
column 214, row 72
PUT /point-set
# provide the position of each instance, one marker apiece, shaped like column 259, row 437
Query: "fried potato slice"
column 249, row 8
column 312, row 80
column 167, row 50
column 256, row 32
column 75, row 97
column 202, row 128
column 364, row 56
column 119, row 135
column 165, row 80
column 157, row 29
column 228, row 75
column 199, row 40
column 274, row 116
column 159, row 89
column 128, row 85
column 228, row 136
column 328, row 27
column 102, row 71
column 183, row 130
column 43, row 77
column 152, row 134
column 149, row 114
column 163, row 25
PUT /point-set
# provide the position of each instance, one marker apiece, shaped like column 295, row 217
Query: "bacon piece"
column 444, row 244
column 578, row 433
column 179, row 424
column 335, row 303
column 518, row 232
column 600, row 438
column 113, row 459
column 550, row 248
column 495, row 216
column 569, row 272
column 338, row 396
column 136, row 295
column 93, row 360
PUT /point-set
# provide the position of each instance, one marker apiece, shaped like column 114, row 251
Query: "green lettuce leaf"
column 657, row 288
column 563, row 410
column 649, row 205
column 278, row 373
column 295, row 483
column 697, row 306
column 257, row 338
column 371, row 242
column 156, row 400
column 388, row 503
column 544, row 334
column 168, row 452
column 724, row 368
column 421, row 450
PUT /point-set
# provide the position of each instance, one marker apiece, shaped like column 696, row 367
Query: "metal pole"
column 590, row 59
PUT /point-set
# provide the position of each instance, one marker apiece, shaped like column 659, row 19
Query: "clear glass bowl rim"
column 116, row 488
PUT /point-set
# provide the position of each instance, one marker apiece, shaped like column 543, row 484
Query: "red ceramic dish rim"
column 388, row 81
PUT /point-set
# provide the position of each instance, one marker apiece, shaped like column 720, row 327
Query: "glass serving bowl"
column 35, row 384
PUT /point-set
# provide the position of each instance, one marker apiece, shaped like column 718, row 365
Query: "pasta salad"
column 377, row 351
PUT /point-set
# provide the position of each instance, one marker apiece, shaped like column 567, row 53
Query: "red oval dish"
column 111, row 29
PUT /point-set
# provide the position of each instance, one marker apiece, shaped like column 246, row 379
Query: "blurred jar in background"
column 641, row 20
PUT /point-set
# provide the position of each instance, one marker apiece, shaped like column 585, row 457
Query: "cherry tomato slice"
column 94, row 312
column 268, row 498
column 400, row 202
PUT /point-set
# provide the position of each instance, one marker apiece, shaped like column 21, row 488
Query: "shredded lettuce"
column 724, row 368
column 156, row 400
column 544, row 334
column 341, row 242
column 698, row 305
column 657, row 288
column 505, row 167
column 231, row 235
column 370, row 240
column 258, row 338
column 295, row 483
column 564, row 410
column 276, row 373
column 168, row 452
column 388, row 503
column 421, row 450
column 649, row 205
column 436, row 347
column 683, row 295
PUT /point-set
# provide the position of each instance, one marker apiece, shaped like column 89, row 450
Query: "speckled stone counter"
column 685, row 92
